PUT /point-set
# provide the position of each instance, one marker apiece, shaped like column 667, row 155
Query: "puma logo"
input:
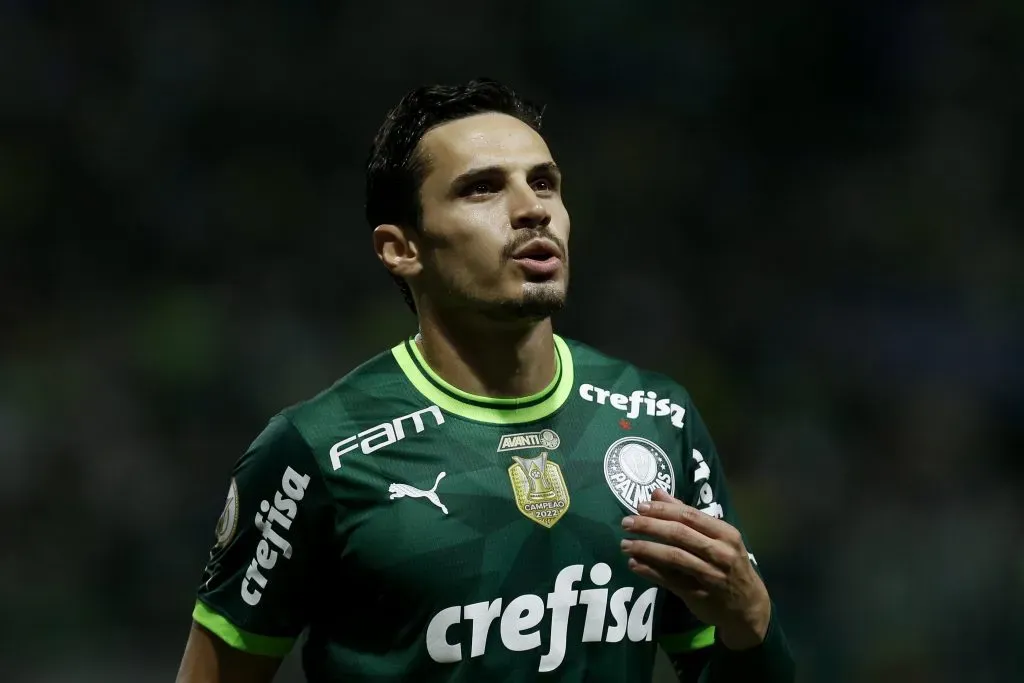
column 403, row 490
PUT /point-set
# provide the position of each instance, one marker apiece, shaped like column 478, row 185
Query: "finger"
column 672, row 558
column 665, row 497
column 674, row 510
column 691, row 517
column 674, row 581
column 648, row 572
column 665, row 506
column 677, row 534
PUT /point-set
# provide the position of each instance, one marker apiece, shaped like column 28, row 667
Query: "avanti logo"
column 546, row 438
column 449, row 639
column 653, row 406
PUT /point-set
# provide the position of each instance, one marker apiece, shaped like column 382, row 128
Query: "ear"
column 399, row 254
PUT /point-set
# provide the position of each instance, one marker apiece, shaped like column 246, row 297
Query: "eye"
column 478, row 187
column 544, row 185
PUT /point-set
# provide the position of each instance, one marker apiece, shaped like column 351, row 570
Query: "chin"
column 551, row 290
column 536, row 301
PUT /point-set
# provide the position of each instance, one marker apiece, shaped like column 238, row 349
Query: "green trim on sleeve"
column 770, row 662
column 696, row 639
column 252, row 643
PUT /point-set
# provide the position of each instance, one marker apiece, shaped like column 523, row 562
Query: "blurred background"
column 808, row 213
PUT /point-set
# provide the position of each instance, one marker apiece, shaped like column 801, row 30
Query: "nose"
column 527, row 210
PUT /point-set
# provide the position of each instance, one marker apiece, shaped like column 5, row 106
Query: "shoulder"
column 593, row 367
column 361, row 394
column 370, row 397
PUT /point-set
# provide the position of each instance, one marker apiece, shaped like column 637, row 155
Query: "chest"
column 448, row 503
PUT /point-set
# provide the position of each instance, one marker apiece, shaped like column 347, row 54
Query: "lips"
column 538, row 250
column 539, row 258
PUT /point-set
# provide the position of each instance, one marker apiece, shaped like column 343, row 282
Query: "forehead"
column 479, row 141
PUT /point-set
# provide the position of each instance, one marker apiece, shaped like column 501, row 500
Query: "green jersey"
column 422, row 533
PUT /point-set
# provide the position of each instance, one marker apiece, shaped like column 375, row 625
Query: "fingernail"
column 643, row 507
column 627, row 522
column 626, row 543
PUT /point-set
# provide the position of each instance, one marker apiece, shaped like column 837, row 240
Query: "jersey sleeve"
column 690, row 644
column 701, row 485
column 255, row 593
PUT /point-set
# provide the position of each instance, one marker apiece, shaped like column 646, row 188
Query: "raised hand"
column 703, row 561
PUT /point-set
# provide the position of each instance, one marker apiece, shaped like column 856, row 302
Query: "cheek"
column 469, row 246
column 560, row 221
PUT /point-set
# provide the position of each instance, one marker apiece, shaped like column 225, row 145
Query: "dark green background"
column 808, row 213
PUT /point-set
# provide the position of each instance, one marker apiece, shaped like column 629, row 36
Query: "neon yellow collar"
column 481, row 408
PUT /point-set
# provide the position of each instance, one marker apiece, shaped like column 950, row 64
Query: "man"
column 485, row 501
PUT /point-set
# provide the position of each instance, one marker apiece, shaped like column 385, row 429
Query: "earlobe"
column 399, row 254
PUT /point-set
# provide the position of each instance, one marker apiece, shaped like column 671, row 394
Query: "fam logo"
column 385, row 434
column 634, row 468
column 537, row 483
column 632, row 404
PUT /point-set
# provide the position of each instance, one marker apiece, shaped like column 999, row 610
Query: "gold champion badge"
column 540, row 490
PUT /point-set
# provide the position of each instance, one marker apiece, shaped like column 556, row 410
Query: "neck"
column 489, row 360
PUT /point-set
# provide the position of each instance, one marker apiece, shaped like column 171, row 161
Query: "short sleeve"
column 702, row 486
column 255, row 589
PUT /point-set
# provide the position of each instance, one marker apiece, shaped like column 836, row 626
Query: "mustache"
column 516, row 244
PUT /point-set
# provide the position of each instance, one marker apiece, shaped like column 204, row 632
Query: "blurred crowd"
column 807, row 213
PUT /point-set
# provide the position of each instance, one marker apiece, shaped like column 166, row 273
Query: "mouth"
column 540, row 250
column 539, row 258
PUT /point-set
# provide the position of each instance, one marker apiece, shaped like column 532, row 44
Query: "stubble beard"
column 536, row 300
column 539, row 300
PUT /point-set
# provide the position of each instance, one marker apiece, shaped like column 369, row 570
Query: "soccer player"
column 486, row 501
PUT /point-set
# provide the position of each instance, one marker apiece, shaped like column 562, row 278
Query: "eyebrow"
column 473, row 173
